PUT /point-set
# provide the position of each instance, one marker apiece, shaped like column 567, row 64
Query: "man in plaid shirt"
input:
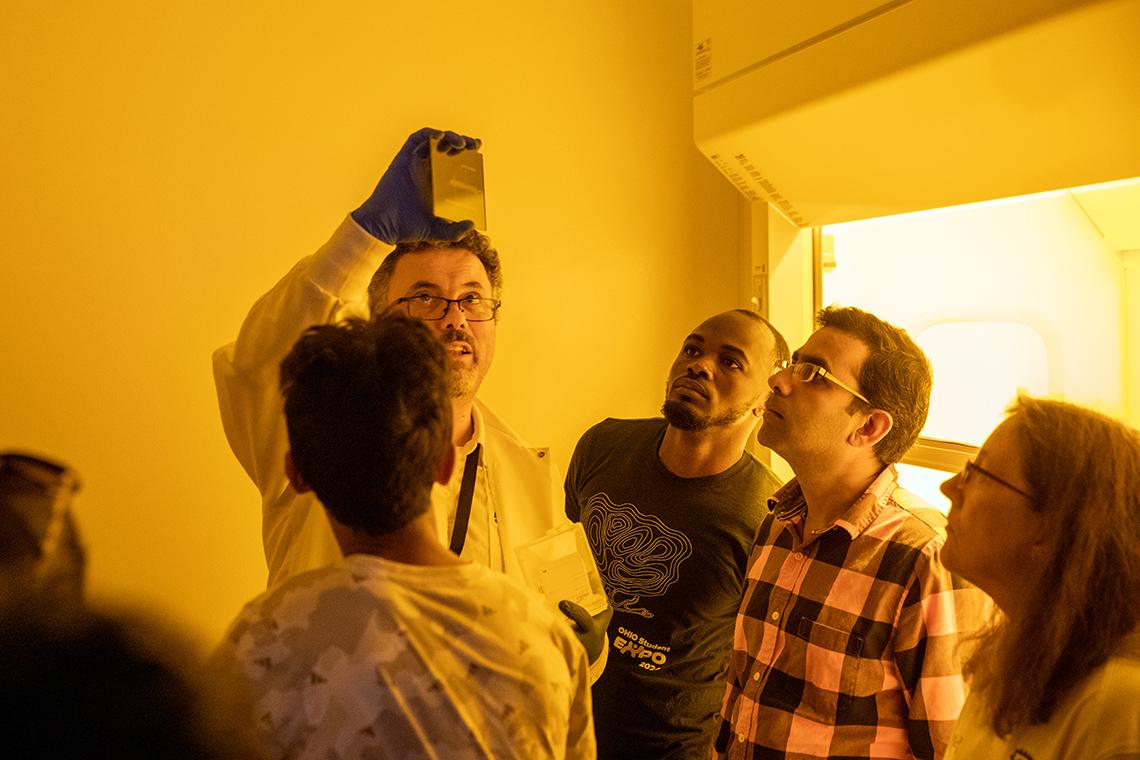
column 846, row 643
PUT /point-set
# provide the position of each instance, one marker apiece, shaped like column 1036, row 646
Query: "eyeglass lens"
column 435, row 307
column 804, row 372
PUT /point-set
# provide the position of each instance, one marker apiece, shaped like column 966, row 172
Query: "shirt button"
column 740, row 737
column 755, row 676
column 798, row 555
column 776, row 615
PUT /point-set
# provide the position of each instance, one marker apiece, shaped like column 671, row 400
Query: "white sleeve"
column 322, row 288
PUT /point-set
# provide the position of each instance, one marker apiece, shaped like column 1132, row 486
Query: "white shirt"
column 1098, row 720
column 373, row 658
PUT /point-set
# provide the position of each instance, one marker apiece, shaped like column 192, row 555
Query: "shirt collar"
column 477, row 433
column 790, row 508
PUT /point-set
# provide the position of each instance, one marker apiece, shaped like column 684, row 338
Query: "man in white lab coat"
column 397, row 254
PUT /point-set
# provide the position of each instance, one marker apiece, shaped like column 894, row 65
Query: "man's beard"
column 463, row 381
column 682, row 417
column 462, row 378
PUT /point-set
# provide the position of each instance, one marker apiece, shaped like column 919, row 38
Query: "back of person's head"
column 369, row 418
column 1083, row 471
column 473, row 241
column 40, row 549
column 896, row 376
column 84, row 684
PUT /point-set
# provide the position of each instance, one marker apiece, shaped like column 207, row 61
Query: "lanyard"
column 466, row 493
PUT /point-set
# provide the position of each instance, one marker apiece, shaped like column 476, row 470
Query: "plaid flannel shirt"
column 846, row 642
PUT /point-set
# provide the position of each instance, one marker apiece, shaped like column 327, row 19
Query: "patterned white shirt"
column 372, row 658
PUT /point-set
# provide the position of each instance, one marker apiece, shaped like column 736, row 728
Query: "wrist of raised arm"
column 344, row 265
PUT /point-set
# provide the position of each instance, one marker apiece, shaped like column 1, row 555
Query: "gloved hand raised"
column 399, row 209
column 591, row 631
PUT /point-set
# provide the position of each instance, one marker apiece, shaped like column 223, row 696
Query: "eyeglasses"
column 805, row 372
column 964, row 477
column 430, row 308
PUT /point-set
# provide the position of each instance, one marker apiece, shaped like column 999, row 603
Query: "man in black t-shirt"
column 670, row 507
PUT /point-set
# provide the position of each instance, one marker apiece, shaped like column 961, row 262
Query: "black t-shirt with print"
column 672, row 553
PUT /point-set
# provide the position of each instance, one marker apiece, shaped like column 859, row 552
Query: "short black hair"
column 783, row 354
column 369, row 418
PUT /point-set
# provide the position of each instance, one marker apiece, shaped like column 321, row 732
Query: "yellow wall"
column 164, row 165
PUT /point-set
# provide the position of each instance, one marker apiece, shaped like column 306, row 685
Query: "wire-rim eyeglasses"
column 431, row 308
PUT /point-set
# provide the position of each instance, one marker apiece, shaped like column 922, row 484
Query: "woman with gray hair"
column 1046, row 520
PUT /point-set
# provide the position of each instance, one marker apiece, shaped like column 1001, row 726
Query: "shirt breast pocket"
column 830, row 666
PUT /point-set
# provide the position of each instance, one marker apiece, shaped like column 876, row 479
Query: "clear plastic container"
column 561, row 566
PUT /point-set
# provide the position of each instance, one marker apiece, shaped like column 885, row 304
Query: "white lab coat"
column 518, row 493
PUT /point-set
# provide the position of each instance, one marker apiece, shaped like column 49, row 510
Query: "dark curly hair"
column 369, row 417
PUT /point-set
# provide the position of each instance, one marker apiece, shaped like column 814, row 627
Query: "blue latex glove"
column 399, row 209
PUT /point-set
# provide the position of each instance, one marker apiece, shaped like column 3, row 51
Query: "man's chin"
column 681, row 416
column 464, row 381
column 767, row 437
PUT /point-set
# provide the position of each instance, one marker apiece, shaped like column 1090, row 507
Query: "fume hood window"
column 979, row 368
column 1023, row 294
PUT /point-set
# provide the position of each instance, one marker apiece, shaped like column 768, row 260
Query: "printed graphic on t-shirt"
column 649, row 656
column 638, row 555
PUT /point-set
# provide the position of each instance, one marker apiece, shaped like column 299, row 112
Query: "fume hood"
column 850, row 109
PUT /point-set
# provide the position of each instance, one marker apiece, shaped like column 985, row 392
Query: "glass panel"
column 979, row 367
column 924, row 482
column 1020, row 294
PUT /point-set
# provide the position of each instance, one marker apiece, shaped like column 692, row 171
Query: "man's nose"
column 454, row 318
column 949, row 486
column 698, row 368
column 780, row 381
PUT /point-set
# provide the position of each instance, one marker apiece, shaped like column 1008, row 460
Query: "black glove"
column 399, row 209
column 590, row 630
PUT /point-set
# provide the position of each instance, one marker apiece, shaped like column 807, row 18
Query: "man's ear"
column 758, row 409
column 874, row 428
column 446, row 466
column 295, row 479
